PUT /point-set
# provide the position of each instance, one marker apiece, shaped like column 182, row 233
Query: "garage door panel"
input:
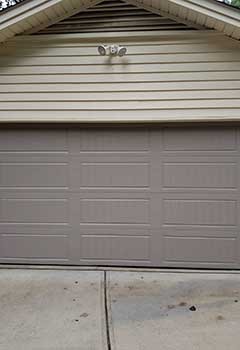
column 34, row 247
column 34, row 157
column 118, row 211
column 33, row 140
column 33, row 211
column 115, row 192
column 25, row 193
column 214, row 194
column 115, row 230
column 28, row 229
column 33, row 175
column 99, row 140
column 199, row 139
column 200, row 231
column 200, row 212
column 113, row 157
column 115, row 248
column 199, row 175
column 212, row 157
column 201, row 155
column 114, row 174
column 208, row 250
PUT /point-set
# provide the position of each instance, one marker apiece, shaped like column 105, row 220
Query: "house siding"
column 188, row 77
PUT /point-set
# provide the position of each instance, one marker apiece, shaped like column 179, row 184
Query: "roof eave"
column 17, row 20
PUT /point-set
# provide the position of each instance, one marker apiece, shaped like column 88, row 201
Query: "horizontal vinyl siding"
column 190, row 78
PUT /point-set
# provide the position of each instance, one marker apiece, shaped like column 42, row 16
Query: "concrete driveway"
column 118, row 310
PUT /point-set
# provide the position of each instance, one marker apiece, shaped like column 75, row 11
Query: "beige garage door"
column 145, row 196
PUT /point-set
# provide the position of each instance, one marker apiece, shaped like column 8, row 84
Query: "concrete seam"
column 107, row 314
column 119, row 268
column 103, row 313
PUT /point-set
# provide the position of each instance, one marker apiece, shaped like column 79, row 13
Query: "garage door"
column 145, row 196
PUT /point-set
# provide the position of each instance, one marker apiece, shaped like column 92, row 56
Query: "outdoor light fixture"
column 102, row 50
column 112, row 50
column 122, row 51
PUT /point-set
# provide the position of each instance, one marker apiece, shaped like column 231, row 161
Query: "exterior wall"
column 189, row 76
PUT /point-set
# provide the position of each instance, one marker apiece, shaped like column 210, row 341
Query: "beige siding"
column 195, row 77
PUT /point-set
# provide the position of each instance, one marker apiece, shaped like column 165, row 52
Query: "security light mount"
column 112, row 50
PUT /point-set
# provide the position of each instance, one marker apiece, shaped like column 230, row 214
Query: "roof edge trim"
column 16, row 20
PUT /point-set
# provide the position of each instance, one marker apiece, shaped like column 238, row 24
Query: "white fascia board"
column 22, row 12
column 65, row 118
column 211, row 9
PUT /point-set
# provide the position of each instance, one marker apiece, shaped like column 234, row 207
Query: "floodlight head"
column 102, row 50
column 122, row 51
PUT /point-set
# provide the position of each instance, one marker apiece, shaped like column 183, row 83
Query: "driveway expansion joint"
column 107, row 312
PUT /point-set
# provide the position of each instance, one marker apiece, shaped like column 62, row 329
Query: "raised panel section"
column 33, row 211
column 200, row 231
column 114, row 174
column 33, row 140
column 33, row 175
column 35, row 247
column 200, row 175
column 205, row 250
column 199, row 212
column 199, row 139
column 115, row 230
column 115, row 248
column 115, row 211
column 109, row 140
